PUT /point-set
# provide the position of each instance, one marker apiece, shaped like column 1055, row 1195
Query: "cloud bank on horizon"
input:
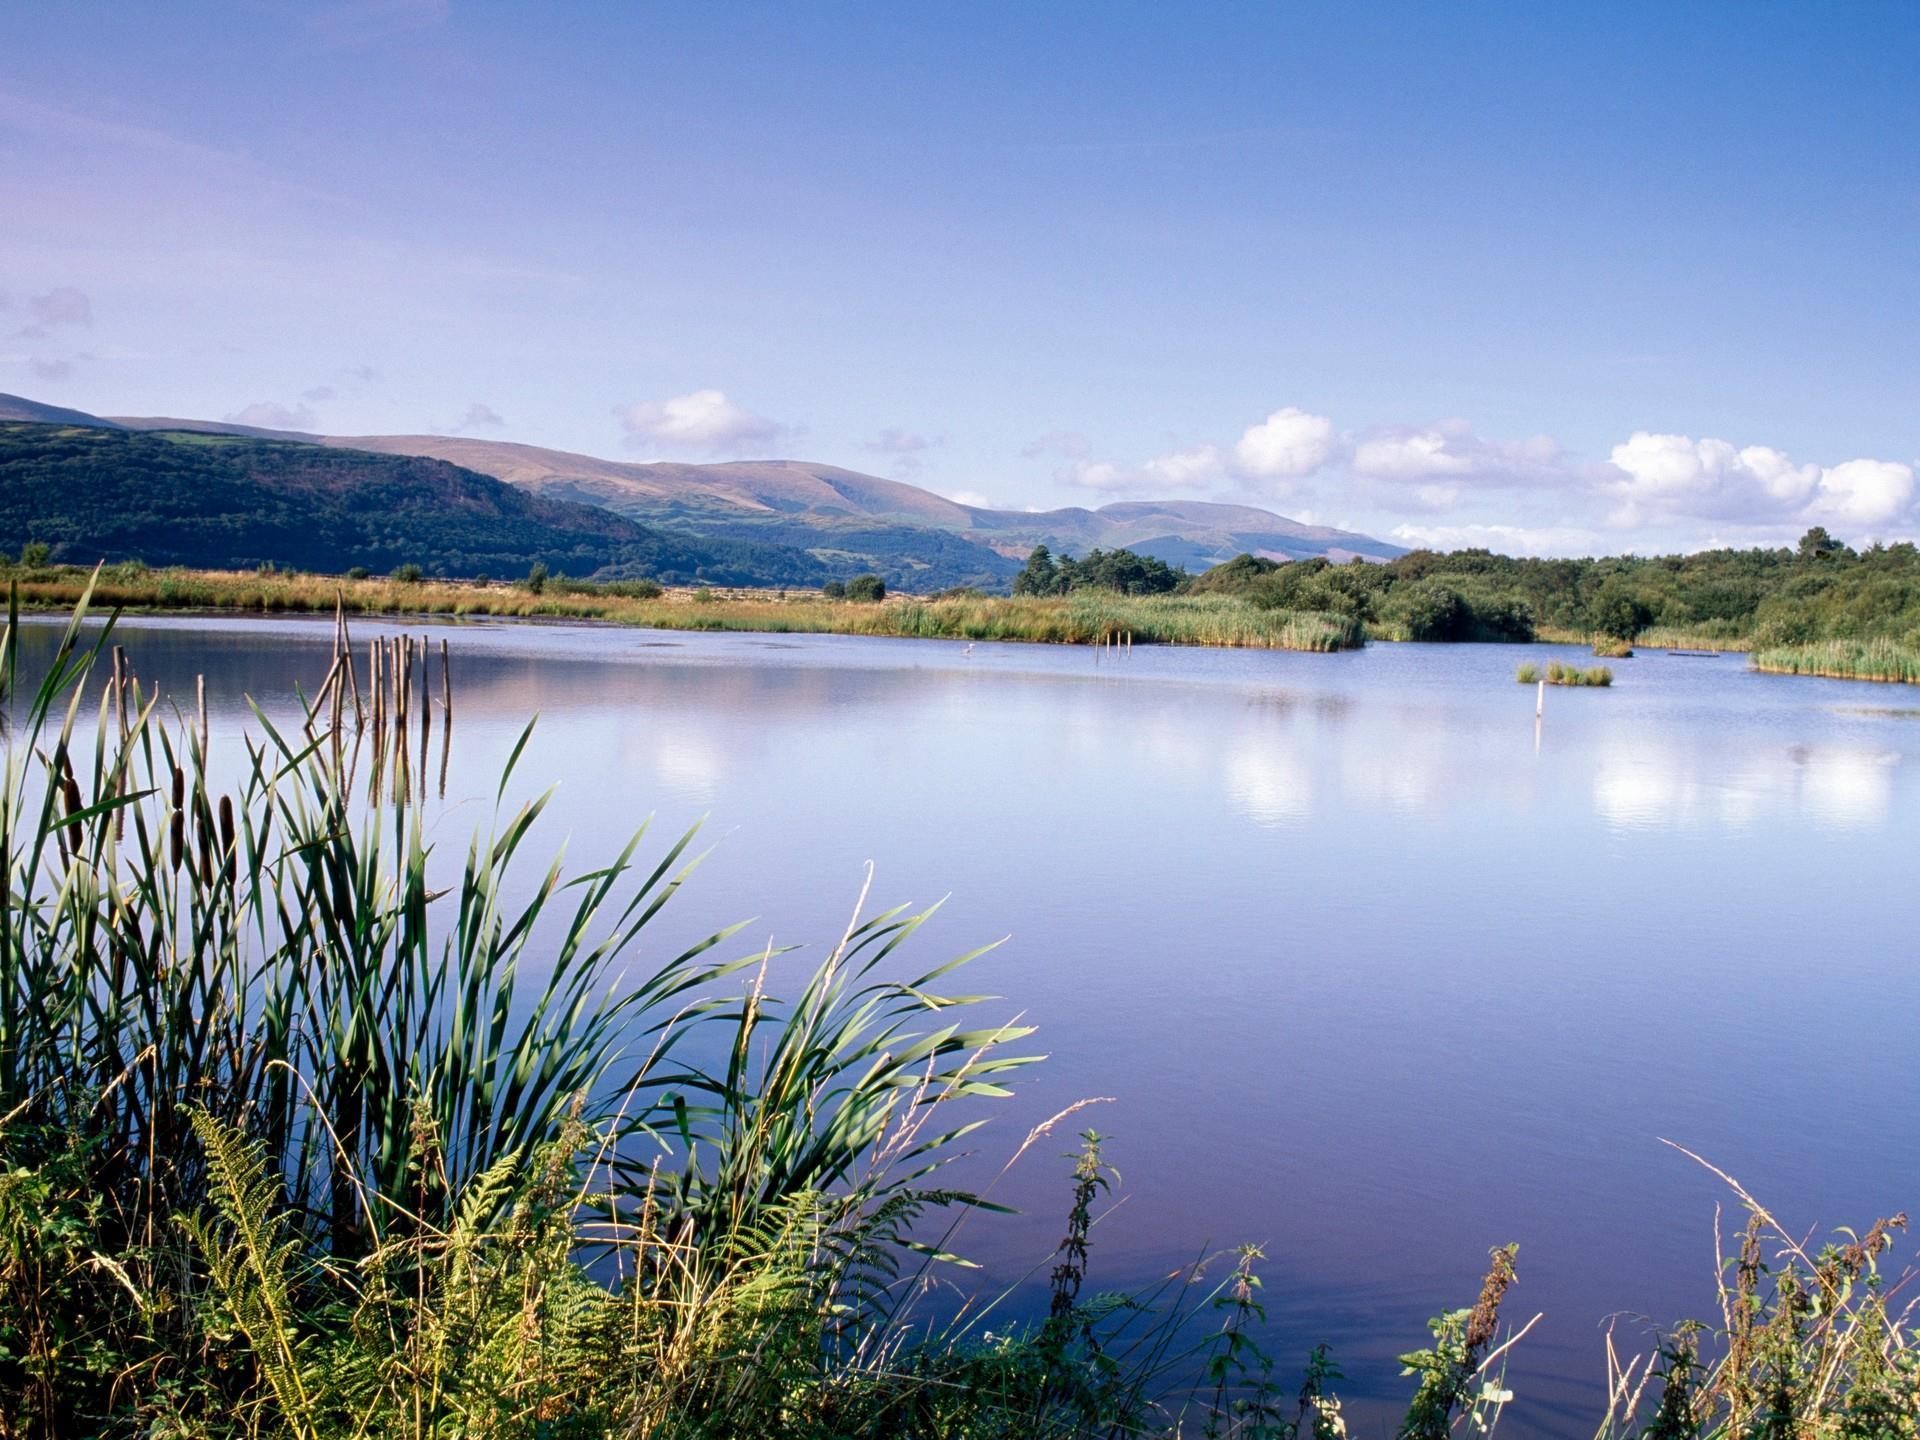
column 656, row 234
column 1446, row 473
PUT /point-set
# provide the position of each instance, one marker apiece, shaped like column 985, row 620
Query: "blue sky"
column 1555, row 278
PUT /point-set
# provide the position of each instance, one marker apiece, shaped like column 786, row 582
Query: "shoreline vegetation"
column 296, row 1145
column 1203, row 615
column 1084, row 617
column 1883, row 660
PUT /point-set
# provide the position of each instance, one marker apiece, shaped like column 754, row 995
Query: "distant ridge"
column 18, row 407
column 841, row 518
column 236, row 502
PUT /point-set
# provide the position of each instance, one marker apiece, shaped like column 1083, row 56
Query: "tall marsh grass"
column 1844, row 660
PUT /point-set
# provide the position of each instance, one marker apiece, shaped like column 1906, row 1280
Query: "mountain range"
column 787, row 522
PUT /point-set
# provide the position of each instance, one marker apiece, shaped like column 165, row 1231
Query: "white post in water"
column 1540, row 701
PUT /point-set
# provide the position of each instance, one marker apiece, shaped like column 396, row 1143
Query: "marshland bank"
column 1245, row 614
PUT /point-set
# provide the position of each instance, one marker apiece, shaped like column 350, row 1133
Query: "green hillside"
column 230, row 502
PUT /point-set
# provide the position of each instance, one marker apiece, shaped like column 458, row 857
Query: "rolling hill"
column 792, row 521
column 220, row 501
column 788, row 501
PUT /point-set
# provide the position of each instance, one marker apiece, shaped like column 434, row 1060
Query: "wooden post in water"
column 200, row 690
column 426, row 718
column 1540, row 701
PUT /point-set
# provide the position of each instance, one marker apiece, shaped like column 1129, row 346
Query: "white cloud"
column 1183, row 470
column 270, row 415
column 1865, row 493
column 481, row 417
column 1674, row 477
column 1288, row 445
column 970, row 497
column 1507, row 539
column 1451, row 451
column 703, row 420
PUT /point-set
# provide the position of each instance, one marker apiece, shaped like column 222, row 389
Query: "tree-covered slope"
column 234, row 502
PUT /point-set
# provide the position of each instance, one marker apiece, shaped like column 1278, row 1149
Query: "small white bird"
column 969, row 649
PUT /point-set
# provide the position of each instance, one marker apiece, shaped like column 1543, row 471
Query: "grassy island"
column 1557, row 673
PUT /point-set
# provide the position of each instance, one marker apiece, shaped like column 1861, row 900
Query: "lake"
column 1376, row 971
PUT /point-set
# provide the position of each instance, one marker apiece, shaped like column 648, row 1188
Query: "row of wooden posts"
column 397, row 701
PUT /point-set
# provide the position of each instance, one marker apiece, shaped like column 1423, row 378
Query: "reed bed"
column 1887, row 660
column 1084, row 618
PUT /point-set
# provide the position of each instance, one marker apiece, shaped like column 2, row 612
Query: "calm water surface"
column 1377, row 973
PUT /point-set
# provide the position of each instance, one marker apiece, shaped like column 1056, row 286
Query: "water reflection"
column 1661, row 785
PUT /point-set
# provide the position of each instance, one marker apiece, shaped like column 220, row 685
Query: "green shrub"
column 867, row 588
column 408, row 574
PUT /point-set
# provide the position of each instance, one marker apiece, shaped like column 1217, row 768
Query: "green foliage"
column 1617, row 611
column 228, row 502
column 408, row 574
column 1528, row 673
column 358, row 572
column 537, row 578
column 834, row 590
column 1432, row 610
column 1121, row 571
column 867, row 588
column 35, row 555
column 1726, row 598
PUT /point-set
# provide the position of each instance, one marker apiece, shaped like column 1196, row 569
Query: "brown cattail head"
column 70, row 791
column 227, row 838
column 203, row 829
column 177, row 820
